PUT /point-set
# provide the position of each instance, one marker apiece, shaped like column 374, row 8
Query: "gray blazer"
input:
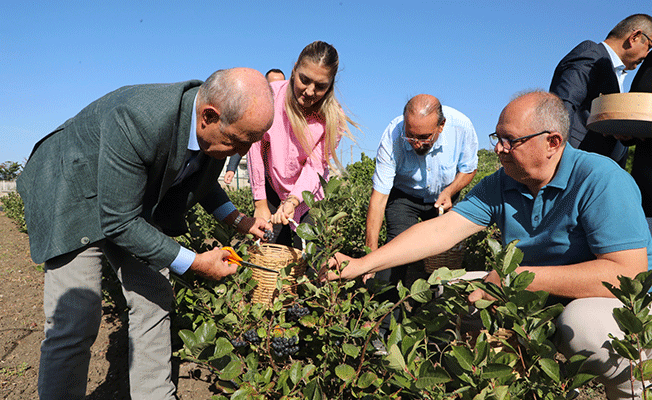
column 108, row 173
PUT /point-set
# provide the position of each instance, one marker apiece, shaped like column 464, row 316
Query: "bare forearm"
column 585, row 279
column 377, row 204
column 460, row 182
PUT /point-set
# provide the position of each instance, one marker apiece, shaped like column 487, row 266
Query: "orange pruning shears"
column 234, row 258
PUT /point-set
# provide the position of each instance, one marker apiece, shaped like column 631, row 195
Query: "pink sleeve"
column 256, row 167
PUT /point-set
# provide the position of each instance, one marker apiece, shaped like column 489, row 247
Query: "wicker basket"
column 452, row 258
column 276, row 257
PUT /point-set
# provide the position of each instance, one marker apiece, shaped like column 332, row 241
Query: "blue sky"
column 56, row 57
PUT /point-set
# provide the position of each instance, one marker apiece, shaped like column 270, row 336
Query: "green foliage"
column 636, row 322
column 14, row 208
column 9, row 170
column 428, row 354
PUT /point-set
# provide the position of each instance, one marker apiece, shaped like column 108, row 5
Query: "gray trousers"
column 73, row 310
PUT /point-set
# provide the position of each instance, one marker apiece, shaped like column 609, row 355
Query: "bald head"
column 541, row 111
column 236, row 92
column 423, row 105
column 234, row 109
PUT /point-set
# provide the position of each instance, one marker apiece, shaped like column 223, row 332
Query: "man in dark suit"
column 591, row 69
column 116, row 179
column 642, row 165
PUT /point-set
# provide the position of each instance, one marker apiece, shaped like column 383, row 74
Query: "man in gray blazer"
column 116, row 179
column 592, row 69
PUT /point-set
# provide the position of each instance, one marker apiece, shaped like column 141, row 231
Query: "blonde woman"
column 301, row 144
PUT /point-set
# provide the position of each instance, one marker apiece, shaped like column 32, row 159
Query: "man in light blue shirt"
column 425, row 157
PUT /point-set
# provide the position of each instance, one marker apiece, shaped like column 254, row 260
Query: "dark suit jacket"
column 581, row 76
column 642, row 166
column 108, row 171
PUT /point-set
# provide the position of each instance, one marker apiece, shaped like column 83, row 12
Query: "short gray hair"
column 550, row 113
column 226, row 93
column 632, row 23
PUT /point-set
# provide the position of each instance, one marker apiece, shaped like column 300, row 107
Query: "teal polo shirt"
column 591, row 206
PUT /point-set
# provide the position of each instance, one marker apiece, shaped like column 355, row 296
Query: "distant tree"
column 9, row 170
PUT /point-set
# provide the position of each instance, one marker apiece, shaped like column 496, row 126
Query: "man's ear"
column 209, row 115
column 555, row 140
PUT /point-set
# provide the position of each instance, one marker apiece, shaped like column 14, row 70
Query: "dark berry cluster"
column 237, row 342
column 269, row 234
column 295, row 312
column 284, row 346
column 251, row 336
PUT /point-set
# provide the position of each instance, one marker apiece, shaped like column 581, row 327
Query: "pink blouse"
column 281, row 158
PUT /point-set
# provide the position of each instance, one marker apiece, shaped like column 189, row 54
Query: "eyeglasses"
column 508, row 144
column 416, row 142
column 649, row 42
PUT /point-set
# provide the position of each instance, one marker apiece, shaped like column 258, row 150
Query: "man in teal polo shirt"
column 578, row 219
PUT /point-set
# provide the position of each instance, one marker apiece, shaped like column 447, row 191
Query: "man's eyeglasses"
column 508, row 144
column 649, row 42
column 416, row 142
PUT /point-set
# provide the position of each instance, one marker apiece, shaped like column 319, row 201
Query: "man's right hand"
column 228, row 177
column 213, row 264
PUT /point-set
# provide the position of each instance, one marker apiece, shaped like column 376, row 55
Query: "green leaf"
column 431, row 375
column 308, row 370
column 306, row 232
column 222, row 347
column 206, row 332
column 188, row 338
column 464, row 357
column 420, row 291
column 625, row 349
column 628, row 321
column 295, row 373
column 395, row 359
column 345, row 372
column 337, row 217
column 550, row 367
column 580, row 380
column 367, row 379
column 647, row 371
column 312, row 391
column 351, row 350
column 496, row 371
column 234, row 369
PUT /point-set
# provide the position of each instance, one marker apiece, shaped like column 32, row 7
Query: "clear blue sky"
column 56, row 57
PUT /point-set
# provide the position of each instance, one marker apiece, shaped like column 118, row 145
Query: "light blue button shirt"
column 618, row 66
column 399, row 166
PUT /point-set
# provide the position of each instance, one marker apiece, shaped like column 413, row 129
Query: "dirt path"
column 21, row 331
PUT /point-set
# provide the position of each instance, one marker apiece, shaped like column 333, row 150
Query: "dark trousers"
column 283, row 234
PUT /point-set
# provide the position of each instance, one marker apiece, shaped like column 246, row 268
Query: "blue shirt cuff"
column 224, row 210
column 182, row 263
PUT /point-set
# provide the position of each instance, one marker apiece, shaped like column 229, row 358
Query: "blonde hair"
column 335, row 119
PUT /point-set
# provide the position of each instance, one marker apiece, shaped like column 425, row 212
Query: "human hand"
column 444, row 201
column 337, row 268
column 255, row 226
column 228, row 177
column 480, row 294
column 284, row 213
column 213, row 264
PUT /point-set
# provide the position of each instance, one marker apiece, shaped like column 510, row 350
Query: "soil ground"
column 21, row 331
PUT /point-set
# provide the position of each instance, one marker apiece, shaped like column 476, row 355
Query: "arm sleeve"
column 234, row 160
column 256, row 167
column 468, row 161
column 383, row 178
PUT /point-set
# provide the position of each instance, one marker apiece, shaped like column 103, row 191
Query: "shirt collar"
column 192, row 138
column 617, row 63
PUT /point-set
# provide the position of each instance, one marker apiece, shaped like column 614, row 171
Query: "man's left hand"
column 255, row 226
column 444, row 200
